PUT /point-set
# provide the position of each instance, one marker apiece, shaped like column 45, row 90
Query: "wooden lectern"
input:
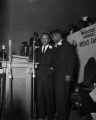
column 21, row 89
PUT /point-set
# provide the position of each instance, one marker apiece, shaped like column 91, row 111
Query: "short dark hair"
column 46, row 33
column 35, row 33
column 57, row 31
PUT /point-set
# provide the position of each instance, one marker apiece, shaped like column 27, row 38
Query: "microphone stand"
column 10, row 81
column 33, row 81
column 2, row 95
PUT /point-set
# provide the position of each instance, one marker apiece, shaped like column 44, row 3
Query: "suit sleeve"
column 70, row 57
column 53, row 58
column 37, row 55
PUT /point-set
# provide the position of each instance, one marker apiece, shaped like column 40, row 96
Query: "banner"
column 86, row 46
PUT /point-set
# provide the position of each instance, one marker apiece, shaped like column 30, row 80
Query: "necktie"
column 43, row 49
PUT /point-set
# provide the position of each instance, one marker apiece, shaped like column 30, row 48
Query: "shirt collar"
column 59, row 43
column 46, row 46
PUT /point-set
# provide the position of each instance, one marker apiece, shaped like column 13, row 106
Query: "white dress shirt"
column 46, row 46
column 59, row 43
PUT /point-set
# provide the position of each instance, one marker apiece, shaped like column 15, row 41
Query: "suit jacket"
column 90, row 72
column 46, row 61
column 64, row 60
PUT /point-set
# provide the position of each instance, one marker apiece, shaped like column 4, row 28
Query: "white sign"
column 93, row 94
column 86, row 46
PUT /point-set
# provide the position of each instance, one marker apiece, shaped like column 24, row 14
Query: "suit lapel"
column 47, row 49
column 41, row 53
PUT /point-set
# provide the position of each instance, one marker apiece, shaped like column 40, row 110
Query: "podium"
column 21, row 89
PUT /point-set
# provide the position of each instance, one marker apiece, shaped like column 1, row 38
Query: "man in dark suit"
column 45, row 81
column 64, row 67
column 88, row 83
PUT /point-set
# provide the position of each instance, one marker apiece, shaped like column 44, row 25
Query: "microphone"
column 10, row 44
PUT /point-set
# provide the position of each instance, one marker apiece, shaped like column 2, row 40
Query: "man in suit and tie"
column 64, row 67
column 45, row 80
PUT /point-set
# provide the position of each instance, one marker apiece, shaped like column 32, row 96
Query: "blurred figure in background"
column 89, row 83
column 36, row 38
column 3, row 55
column 72, row 28
column 85, row 22
column 25, row 49
column 37, row 43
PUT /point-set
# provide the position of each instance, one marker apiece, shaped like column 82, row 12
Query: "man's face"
column 56, row 37
column 45, row 39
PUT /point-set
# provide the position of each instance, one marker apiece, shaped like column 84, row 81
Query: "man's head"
column 35, row 35
column 57, row 36
column 45, row 38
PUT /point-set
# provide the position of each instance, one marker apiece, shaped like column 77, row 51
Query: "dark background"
column 20, row 18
